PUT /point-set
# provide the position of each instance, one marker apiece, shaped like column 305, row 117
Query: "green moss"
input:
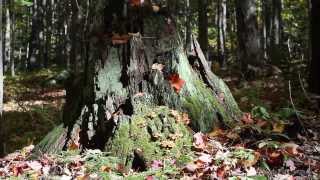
column 148, row 131
column 204, row 109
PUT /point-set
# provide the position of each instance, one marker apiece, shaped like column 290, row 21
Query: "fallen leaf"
column 283, row 177
column 190, row 168
column 251, row 162
column 150, row 178
column 247, row 118
column 73, row 146
column 278, row 127
column 291, row 148
column 156, row 164
column 221, row 172
column 251, row 171
column 105, row 169
column 290, row 164
column 35, row 165
column 176, row 82
column 199, row 141
column 274, row 158
column 205, row 158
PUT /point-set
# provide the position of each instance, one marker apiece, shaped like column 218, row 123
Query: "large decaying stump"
column 123, row 83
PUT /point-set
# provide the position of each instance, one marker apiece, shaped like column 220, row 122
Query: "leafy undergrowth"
column 32, row 105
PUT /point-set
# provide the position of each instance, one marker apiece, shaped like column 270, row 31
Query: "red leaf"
column 176, row 82
column 221, row 172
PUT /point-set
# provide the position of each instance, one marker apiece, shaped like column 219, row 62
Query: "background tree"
column 203, row 25
column 1, row 82
column 222, row 30
column 315, row 39
column 248, row 35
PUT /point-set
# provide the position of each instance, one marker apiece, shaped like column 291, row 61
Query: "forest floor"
column 265, row 144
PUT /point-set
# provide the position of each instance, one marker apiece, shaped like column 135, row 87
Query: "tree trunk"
column 203, row 25
column 188, row 22
column 1, row 84
column 272, row 29
column 7, row 53
column 36, row 49
column 275, row 55
column 315, row 39
column 124, row 81
column 248, row 35
column 222, row 30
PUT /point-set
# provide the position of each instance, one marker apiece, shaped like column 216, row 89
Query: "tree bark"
column 222, row 30
column 1, row 84
column 7, row 52
column 272, row 30
column 120, row 83
column 203, row 25
column 314, row 84
column 248, row 35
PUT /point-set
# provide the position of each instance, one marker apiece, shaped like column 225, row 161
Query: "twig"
column 294, row 108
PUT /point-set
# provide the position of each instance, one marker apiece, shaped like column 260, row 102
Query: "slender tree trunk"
column 13, row 40
column 36, row 48
column 1, row 85
column 275, row 53
column 222, row 30
column 248, row 36
column 267, row 7
column 7, row 36
column 188, row 22
column 75, row 31
column 314, row 82
column 203, row 25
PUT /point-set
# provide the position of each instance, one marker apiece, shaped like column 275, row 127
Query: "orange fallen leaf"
column 73, row 146
column 291, row 148
column 176, row 82
column 120, row 39
column 251, row 162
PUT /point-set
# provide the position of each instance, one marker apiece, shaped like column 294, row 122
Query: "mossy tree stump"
column 119, row 86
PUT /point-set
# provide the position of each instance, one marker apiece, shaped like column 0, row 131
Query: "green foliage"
column 260, row 112
column 244, row 154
